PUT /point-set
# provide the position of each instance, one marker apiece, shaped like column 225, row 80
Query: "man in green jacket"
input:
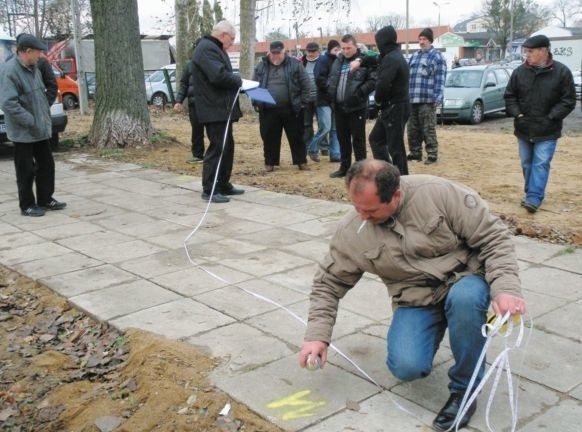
column 443, row 256
column 28, row 125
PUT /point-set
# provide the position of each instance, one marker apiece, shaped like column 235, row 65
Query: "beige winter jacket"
column 440, row 232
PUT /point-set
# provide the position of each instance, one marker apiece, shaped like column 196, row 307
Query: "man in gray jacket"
column 28, row 125
column 443, row 256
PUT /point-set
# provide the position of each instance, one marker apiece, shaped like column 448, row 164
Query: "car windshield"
column 464, row 78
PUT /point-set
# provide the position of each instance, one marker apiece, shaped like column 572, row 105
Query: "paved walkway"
column 117, row 253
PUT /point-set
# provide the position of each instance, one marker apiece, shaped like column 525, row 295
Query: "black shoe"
column 33, row 211
column 53, row 204
column 233, row 191
column 430, row 160
column 337, row 174
column 325, row 152
column 447, row 415
column 530, row 207
column 217, row 198
column 413, row 157
column 332, row 159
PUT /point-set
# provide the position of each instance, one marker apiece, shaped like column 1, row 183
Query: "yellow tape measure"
column 491, row 317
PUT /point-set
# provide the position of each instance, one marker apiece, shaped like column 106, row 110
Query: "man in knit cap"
column 428, row 70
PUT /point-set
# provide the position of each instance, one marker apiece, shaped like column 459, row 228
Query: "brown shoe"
column 304, row 167
column 314, row 157
column 268, row 168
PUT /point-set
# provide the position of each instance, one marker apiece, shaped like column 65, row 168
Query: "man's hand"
column 508, row 303
column 178, row 107
column 355, row 64
column 313, row 349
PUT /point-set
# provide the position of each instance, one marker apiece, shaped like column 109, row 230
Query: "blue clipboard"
column 261, row 95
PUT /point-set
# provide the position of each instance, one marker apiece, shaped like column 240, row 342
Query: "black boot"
column 447, row 415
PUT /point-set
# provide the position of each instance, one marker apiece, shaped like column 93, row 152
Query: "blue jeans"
column 325, row 125
column 535, row 164
column 416, row 332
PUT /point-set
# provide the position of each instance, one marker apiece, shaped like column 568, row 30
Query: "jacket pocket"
column 438, row 239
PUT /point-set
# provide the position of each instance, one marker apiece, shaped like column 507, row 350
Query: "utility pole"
column 83, row 103
column 510, row 30
column 407, row 29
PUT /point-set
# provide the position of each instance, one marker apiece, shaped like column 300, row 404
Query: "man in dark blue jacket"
column 288, row 83
column 349, row 89
column 217, row 107
column 539, row 95
column 387, row 137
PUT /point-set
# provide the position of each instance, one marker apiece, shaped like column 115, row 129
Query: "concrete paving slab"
column 228, row 226
column 294, row 398
column 52, row 266
column 194, row 280
column 268, row 215
column 234, row 302
column 265, row 262
column 94, row 210
column 275, row 199
column 26, row 223
column 181, row 213
column 276, row 237
column 550, row 360
column 224, row 248
column 314, row 249
column 299, row 279
column 540, row 304
column 88, row 242
column 176, row 320
column 19, row 238
column 231, row 342
column 32, row 252
column 175, row 239
column 123, row 299
column 315, row 227
column 432, row 392
column 565, row 417
column 87, row 280
column 157, row 264
column 68, row 230
column 325, row 208
column 551, row 281
column 564, row 322
column 382, row 412
column 119, row 221
column 535, row 251
column 359, row 300
column 122, row 251
column 288, row 328
column 139, row 186
column 6, row 228
column 570, row 260
column 577, row 393
column 134, row 203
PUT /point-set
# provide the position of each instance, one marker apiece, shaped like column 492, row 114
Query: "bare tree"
column 564, row 10
column 248, row 35
column 376, row 22
column 187, row 31
column 121, row 115
column 24, row 16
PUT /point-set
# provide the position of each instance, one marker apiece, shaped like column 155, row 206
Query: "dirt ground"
column 62, row 371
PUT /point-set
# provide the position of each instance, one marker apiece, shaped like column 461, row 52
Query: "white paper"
column 249, row 84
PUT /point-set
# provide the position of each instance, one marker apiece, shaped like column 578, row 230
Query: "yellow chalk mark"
column 299, row 407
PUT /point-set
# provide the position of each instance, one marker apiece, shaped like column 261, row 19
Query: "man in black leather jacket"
column 349, row 89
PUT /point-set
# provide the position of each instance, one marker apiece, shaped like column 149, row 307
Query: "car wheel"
column 159, row 99
column 69, row 101
column 476, row 113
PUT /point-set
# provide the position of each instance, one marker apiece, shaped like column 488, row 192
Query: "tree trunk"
column 121, row 114
column 248, row 34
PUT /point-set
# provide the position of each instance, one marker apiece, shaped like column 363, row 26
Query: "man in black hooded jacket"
column 387, row 136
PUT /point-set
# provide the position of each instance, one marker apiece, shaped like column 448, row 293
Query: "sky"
column 421, row 13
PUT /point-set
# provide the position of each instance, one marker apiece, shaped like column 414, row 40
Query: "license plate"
column 2, row 128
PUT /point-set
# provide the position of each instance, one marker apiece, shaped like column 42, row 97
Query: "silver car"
column 157, row 89
column 471, row 92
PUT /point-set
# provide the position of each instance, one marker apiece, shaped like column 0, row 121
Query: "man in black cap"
column 540, row 94
column 288, row 82
column 428, row 71
column 28, row 124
